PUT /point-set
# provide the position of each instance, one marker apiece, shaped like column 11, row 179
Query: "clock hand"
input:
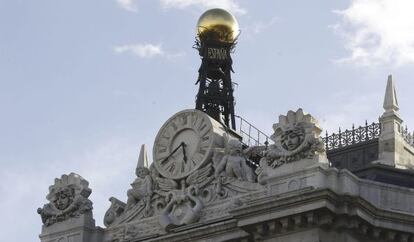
column 175, row 150
column 184, row 154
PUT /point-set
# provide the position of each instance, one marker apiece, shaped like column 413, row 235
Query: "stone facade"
column 203, row 186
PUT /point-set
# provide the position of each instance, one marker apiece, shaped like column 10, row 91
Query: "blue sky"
column 84, row 83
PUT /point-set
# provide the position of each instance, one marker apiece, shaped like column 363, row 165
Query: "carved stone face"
column 235, row 147
column 63, row 198
column 291, row 139
column 142, row 172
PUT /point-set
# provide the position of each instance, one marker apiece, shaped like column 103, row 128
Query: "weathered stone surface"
column 296, row 197
column 329, row 199
column 297, row 145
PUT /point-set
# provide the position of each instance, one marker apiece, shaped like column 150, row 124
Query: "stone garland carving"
column 296, row 137
column 68, row 197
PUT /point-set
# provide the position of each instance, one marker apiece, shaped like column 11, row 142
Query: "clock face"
column 183, row 144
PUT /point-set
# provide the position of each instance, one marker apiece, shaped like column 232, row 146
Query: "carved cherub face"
column 235, row 146
column 292, row 138
column 142, row 172
column 63, row 198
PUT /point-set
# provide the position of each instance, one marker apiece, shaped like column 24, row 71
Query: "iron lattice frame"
column 215, row 93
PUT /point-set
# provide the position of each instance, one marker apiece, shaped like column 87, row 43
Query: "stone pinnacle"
column 390, row 99
column 143, row 157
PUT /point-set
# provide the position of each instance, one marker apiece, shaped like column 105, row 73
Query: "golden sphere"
column 217, row 25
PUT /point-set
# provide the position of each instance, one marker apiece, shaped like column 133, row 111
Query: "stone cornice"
column 321, row 208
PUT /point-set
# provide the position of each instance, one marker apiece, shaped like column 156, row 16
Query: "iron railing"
column 408, row 137
column 250, row 134
column 352, row 137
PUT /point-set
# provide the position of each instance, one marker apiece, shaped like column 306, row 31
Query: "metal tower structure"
column 215, row 41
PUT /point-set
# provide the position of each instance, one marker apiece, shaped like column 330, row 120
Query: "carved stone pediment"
column 206, row 193
column 199, row 168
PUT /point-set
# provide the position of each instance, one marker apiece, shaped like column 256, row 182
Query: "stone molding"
column 322, row 208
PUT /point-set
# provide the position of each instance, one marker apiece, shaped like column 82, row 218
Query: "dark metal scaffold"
column 215, row 94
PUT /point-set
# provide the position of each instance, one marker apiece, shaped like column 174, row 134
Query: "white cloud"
column 129, row 5
column 141, row 50
column 146, row 51
column 262, row 26
column 378, row 32
column 259, row 27
column 230, row 5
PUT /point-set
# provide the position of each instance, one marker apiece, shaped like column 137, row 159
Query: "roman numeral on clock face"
column 161, row 148
column 205, row 138
column 171, row 167
column 178, row 123
column 174, row 126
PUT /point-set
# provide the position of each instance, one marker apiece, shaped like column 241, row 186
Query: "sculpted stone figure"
column 142, row 189
column 233, row 163
column 139, row 196
column 296, row 137
column 183, row 207
column 143, row 186
column 68, row 197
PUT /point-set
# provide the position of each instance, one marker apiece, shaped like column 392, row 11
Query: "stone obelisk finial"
column 143, row 157
column 390, row 99
column 390, row 141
